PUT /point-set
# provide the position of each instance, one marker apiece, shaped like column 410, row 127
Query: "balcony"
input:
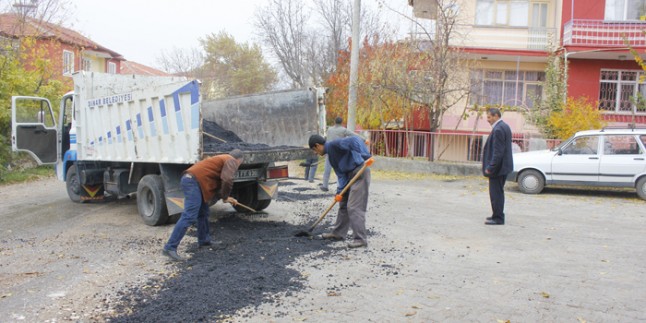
column 603, row 33
column 505, row 38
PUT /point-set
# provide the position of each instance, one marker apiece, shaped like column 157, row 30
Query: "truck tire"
column 262, row 204
column 641, row 187
column 247, row 195
column 531, row 182
column 150, row 200
column 73, row 184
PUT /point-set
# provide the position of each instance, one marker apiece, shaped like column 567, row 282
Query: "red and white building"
column 509, row 42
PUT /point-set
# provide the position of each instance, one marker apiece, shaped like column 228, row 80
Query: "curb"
column 426, row 167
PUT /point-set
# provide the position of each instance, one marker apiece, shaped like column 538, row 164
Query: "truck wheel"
column 262, row 204
column 73, row 185
column 150, row 200
column 641, row 187
column 531, row 182
column 246, row 195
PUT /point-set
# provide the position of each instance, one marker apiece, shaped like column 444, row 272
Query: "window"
column 112, row 68
column 621, row 145
column 582, row 146
column 86, row 64
column 625, row 9
column 68, row 62
column 511, row 88
column 618, row 90
column 514, row 13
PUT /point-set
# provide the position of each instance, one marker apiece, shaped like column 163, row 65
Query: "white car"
column 608, row 157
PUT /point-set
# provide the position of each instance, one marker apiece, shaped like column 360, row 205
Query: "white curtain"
column 519, row 13
column 484, row 12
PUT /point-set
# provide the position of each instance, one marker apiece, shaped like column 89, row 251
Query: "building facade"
column 66, row 50
column 509, row 43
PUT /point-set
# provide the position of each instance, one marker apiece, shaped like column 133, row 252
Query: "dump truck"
column 118, row 136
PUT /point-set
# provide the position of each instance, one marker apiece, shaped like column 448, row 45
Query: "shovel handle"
column 345, row 189
column 214, row 137
column 246, row 207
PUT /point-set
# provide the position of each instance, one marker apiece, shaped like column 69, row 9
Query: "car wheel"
column 531, row 182
column 641, row 187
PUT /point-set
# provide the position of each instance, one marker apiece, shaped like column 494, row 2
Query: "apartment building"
column 509, row 42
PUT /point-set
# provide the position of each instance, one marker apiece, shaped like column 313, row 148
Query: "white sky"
column 140, row 29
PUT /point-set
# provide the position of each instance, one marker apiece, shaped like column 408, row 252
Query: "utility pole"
column 354, row 66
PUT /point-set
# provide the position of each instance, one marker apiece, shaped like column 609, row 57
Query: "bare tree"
column 282, row 24
column 445, row 70
column 186, row 62
column 308, row 53
column 57, row 12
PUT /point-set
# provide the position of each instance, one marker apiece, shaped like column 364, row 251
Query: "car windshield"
column 562, row 144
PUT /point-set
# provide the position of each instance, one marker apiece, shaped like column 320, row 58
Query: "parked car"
column 607, row 157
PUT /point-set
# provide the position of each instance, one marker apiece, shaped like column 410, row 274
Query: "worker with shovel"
column 347, row 156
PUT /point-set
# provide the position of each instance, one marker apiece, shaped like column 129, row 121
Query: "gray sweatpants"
column 352, row 209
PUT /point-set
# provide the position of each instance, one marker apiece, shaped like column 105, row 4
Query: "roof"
column 17, row 26
column 613, row 131
column 130, row 67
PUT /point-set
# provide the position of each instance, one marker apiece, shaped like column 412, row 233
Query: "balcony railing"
column 489, row 37
column 604, row 33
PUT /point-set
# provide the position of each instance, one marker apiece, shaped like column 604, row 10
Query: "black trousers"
column 497, row 197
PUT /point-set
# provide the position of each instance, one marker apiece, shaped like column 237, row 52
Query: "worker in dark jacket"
column 347, row 156
column 497, row 163
column 207, row 179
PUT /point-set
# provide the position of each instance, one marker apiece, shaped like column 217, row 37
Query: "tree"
column 231, row 68
column 553, row 98
column 307, row 54
column 186, row 62
column 578, row 114
column 25, row 68
column 443, row 67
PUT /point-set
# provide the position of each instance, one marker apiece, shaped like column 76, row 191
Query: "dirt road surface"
column 565, row 255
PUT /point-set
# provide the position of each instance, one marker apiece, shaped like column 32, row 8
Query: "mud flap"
column 267, row 190
column 91, row 193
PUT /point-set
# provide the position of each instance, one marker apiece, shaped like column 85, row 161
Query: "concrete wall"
column 420, row 166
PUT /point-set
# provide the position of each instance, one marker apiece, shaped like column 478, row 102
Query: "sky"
column 141, row 29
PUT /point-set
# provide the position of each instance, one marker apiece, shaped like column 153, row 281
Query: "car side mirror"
column 559, row 152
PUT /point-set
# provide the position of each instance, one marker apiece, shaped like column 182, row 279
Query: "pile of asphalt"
column 248, row 268
column 230, row 140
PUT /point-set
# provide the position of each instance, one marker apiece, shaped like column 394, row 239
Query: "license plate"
column 247, row 173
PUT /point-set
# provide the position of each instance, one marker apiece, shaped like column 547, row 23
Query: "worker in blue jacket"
column 347, row 156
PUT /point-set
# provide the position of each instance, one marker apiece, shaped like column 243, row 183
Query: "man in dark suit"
column 497, row 163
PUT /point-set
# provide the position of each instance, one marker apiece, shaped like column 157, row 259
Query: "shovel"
column 246, row 207
column 337, row 198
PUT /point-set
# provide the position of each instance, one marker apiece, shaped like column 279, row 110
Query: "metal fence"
column 446, row 147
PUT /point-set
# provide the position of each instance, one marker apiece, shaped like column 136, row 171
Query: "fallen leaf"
column 504, row 321
column 5, row 295
column 333, row 293
column 580, row 319
column 545, row 295
column 416, row 307
column 411, row 313
column 603, row 260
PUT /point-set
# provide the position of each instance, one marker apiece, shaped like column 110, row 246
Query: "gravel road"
column 565, row 255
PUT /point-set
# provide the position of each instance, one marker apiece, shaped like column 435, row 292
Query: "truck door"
column 33, row 128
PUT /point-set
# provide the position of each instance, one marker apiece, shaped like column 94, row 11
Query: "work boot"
column 172, row 254
column 357, row 244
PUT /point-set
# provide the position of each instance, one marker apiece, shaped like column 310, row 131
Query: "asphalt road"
column 564, row 255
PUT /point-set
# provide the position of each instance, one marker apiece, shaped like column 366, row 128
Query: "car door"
column 33, row 128
column 621, row 160
column 577, row 161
